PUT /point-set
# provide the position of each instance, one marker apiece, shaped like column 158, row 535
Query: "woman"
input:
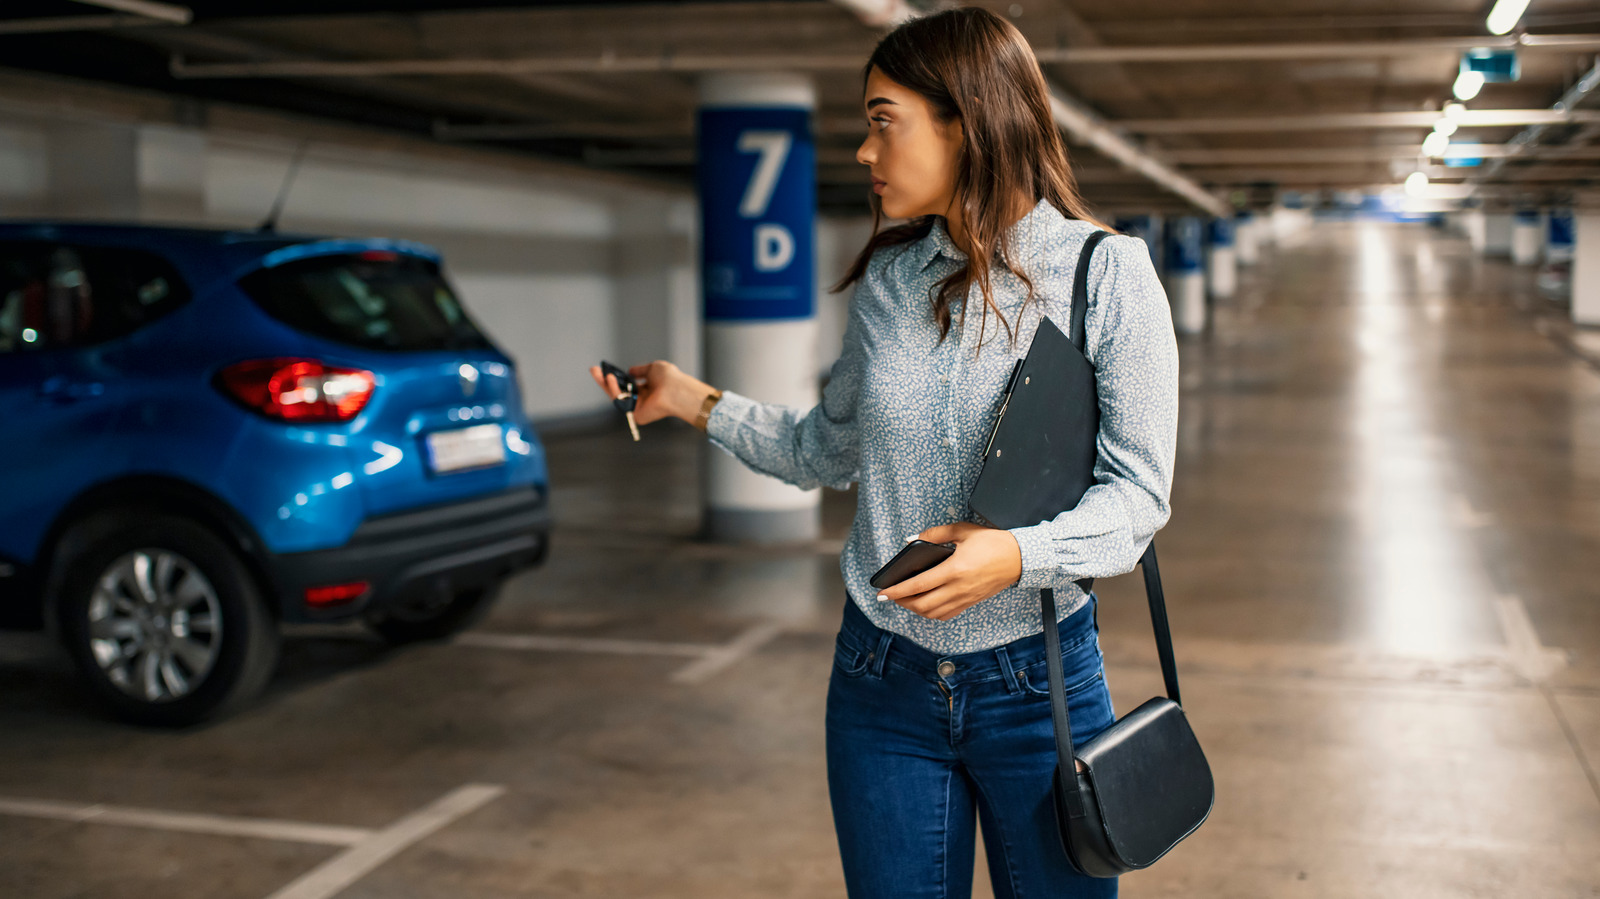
column 938, row 709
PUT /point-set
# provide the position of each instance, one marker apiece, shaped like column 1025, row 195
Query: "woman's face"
column 912, row 154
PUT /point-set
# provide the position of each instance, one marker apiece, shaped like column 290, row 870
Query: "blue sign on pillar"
column 1560, row 228
column 1220, row 232
column 1183, row 246
column 758, row 200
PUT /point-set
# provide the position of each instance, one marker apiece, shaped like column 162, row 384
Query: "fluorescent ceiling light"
column 1435, row 144
column 1416, row 184
column 1467, row 85
column 1445, row 126
column 1505, row 15
column 1453, row 110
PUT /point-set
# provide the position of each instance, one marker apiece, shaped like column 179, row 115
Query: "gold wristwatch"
column 705, row 409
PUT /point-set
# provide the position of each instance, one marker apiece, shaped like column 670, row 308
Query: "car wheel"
column 165, row 622
column 433, row 614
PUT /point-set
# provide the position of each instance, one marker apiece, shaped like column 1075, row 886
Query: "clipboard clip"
column 1011, row 384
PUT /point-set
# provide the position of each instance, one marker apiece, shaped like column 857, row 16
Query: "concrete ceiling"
column 1236, row 95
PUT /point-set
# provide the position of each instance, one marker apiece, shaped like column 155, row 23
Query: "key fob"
column 625, row 381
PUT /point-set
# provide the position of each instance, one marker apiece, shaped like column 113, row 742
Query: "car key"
column 630, row 391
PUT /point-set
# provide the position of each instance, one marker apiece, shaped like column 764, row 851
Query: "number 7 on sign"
column 774, row 149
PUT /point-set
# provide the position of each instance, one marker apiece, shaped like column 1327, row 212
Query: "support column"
column 1497, row 234
column 1186, row 287
column 1525, row 237
column 1221, row 269
column 1246, row 242
column 758, row 200
column 1586, row 268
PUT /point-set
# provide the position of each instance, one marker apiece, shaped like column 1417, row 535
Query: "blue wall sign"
column 758, row 202
column 1220, row 232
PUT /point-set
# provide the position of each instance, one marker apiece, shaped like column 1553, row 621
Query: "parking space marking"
column 721, row 657
column 1531, row 659
column 543, row 642
column 154, row 819
column 344, row 869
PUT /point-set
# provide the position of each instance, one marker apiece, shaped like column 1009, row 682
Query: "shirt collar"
column 1043, row 221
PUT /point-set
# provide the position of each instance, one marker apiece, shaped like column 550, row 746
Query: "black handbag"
column 1146, row 785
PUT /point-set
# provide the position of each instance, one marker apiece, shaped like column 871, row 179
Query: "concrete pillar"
column 1221, row 271
column 130, row 173
column 1497, row 234
column 1246, row 238
column 1525, row 237
column 1474, row 226
column 757, row 177
column 1185, row 281
column 1586, row 268
column 1558, row 235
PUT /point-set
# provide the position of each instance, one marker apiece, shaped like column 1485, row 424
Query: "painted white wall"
column 562, row 269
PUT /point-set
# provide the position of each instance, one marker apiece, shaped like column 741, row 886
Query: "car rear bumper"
column 452, row 547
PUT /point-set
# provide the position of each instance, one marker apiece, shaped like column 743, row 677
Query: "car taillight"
column 299, row 390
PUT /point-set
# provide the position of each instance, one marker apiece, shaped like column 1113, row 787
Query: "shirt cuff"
column 1038, row 556
column 726, row 415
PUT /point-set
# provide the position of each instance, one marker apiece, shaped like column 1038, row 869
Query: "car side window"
column 56, row 295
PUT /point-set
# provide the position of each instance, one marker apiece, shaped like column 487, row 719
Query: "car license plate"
column 479, row 446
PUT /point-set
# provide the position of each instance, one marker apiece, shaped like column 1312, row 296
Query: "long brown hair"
column 974, row 67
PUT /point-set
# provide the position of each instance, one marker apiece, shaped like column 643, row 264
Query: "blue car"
column 206, row 433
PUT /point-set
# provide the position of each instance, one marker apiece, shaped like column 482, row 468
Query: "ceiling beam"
column 669, row 61
column 1472, row 118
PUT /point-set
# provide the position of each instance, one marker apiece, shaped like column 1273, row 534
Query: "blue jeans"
column 919, row 745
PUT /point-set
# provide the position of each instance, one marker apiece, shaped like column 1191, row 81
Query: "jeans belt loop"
column 881, row 654
column 1006, row 670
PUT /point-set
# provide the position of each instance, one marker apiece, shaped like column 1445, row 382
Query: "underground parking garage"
column 332, row 563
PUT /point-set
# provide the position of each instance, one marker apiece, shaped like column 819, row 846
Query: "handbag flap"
column 1151, row 781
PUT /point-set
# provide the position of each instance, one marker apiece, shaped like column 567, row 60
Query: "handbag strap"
column 1080, row 291
column 1065, row 757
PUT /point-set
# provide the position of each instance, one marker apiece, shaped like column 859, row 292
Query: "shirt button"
column 944, row 442
column 947, row 668
column 952, row 511
column 943, row 379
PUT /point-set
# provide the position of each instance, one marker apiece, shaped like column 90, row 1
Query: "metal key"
column 629, row 398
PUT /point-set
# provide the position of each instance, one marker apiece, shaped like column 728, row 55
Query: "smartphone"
column 917, row 556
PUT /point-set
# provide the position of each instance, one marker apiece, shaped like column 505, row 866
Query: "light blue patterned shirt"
column 907, row 417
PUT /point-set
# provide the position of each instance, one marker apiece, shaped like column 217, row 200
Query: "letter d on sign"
column 774, row 248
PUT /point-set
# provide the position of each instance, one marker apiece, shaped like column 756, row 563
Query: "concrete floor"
column 1387, row 513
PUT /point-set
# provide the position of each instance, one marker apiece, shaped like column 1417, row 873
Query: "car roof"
column 205, row 255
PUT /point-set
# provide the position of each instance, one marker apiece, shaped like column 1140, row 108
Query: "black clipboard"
column 1041, row 453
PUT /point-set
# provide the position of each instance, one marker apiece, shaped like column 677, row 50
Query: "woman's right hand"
column 665, row 391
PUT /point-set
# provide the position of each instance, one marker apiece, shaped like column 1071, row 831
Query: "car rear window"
column 376, row 300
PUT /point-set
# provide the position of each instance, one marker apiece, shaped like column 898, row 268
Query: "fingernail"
column 882, row 598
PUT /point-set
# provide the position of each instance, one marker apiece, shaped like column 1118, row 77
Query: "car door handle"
column 64, row 391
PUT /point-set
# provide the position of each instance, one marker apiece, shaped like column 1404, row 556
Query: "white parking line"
column 219, row 825
column 332, row 876
column 723, row 656
column 583, row 644
column 1531, row 659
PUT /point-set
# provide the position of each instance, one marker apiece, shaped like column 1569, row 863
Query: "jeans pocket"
column 1036, row 681
column 850, row 659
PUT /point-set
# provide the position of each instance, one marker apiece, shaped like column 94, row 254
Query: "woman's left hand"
column 986, row 561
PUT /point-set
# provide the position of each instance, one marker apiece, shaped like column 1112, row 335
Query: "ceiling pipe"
column 1299, row 50
column 149, row 9
column 1472, row 118
column 1528, row 138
